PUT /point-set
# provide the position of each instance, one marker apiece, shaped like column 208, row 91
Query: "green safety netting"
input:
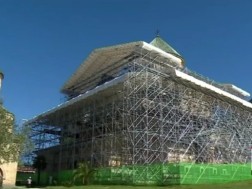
column 163, row 174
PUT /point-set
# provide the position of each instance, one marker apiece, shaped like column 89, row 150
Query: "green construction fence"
column 21, row 178
column 163, row 174
column 168, row 174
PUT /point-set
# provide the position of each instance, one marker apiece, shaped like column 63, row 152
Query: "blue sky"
column 42, row 42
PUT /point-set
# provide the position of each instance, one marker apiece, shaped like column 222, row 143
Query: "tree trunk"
column 83, row 180
column 38, row 180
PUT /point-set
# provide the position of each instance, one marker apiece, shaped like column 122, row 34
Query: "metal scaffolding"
column 143, row 118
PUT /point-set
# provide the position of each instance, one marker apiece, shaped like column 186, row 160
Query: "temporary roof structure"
column 104, row 57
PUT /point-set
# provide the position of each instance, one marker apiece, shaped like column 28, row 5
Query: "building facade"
column 137, row 114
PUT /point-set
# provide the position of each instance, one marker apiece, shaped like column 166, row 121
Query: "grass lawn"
column 237, row 185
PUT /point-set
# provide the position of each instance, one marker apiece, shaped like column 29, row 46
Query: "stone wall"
column 9, row 174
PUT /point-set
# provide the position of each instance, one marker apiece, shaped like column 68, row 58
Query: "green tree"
column 11, row 142
column 27, row 147
column 84, row 171
column 40, row 164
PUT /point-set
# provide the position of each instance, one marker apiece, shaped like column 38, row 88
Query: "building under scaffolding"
column 138, row 115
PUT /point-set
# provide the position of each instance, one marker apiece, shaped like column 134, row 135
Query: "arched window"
column 1, row 177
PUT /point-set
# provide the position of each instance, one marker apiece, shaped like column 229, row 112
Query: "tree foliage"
column 84, row 171
column 12, row 143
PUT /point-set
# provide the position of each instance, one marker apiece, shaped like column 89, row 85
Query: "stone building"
column 140, row 116
column 7, row 170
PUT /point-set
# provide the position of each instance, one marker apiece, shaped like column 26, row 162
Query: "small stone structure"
column 8, row 172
